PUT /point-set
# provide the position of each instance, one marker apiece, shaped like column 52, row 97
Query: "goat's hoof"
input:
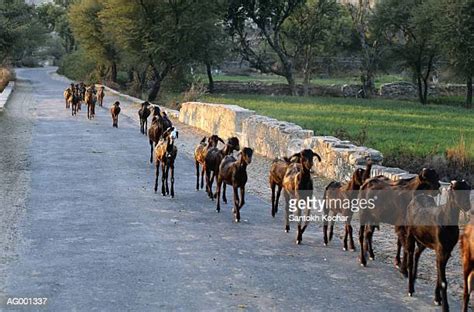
column 298, row 242
column 218, row 210
column 438, row 303
column 353, row 249
column 325, row 244
column 287, row 229
column 344, row 248
column 363, row 265
column 371, row 258
column 410, row 294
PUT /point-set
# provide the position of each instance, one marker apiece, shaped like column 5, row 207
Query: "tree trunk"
column 155, row 89
column 113, row 72
column 291, row 83
column 469, row 92
column 420, row 89
column 209, row 77
column 425, row 91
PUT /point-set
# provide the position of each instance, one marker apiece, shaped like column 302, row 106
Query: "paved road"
column 92, row 236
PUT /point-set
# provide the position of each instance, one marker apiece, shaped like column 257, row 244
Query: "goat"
column 101, row 95
column 233, row 172
column 143, row 113
column 158, row 126
column 277, row 173
column 467, row 255
column 298, row 182
column 213, row 160
column 436, row 228
column 165, row 154
column 390, row 199
column 200, row 153
column 343, row 191
column 68, row 97
column 90, row 100
column 75, row 101
column 115, row 111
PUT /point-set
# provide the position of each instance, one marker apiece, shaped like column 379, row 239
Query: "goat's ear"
column 203, row 139
column 317, row 156
column 220, row 140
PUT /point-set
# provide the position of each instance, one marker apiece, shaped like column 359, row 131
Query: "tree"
column 408, row 28
column 21, row 33
column 251, row 21
column 89, row 31
column 455, row 33
column 54, row 18
column 310, row 30
column 162, row 34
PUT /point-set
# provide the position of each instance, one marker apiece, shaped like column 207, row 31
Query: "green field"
column 391, row 126
column 379, row 80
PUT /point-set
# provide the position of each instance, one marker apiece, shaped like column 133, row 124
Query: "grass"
column 392, row 126
column 269, row 79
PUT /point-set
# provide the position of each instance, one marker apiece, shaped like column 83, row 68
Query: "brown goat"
column 233, row 172
column 298, row 183
column 213, row 160
column 143, row 113
column 101, row 95
column 467, row 257
column 275, row 178
column 390, row 205
column 165, row 154
column 115, row 111
column 68, row 93
column 345, row 191
column 200, row 153
column 90, row 100
column 158, row 126
column 436, row 228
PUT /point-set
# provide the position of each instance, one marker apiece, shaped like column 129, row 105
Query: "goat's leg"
column 351, row 236
column 325, row 225
column 397, row 256
column 299, row 237
column 287, row 211
column 346, row 235
column 419, row 250
column 277, row 198
column 331, row 228
column 163, row 178
column 242, row 197
column 208, row 175
column 369, row 235
column 172, row 180
column 236, row 204
column 218, row 191
column 146, row 127
column 224, row 196
column 273, row 187
column 410, row 245
column 151, row 151
column 442, row 260
column 166, row 178
column 362, row 259
column 306, row 222
column 157, row 174
column 466, row 294
column 203, row 171
column 197, row 174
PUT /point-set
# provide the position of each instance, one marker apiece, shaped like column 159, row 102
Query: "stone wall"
column 223, row 120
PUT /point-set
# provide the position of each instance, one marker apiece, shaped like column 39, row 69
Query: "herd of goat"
column 407, row 204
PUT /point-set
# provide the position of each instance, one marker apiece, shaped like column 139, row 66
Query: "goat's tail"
column 203, row 140
column 368, row 169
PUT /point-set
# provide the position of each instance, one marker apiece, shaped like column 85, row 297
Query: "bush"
column 78, row 66
column 6, row 75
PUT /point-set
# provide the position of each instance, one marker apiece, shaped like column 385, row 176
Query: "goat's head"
column 171, row 134
column 233, row 143
column 156, row 111
column 145, row 104
column 429, row 180
column 117, row 103
column 213, row 140
column 460, row 192
column 246, row 155
column 305, row 157
column 358, row 177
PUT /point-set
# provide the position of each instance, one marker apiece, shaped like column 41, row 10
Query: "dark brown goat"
column 101, row 95
column 143, row 113
column 165, row 154
column 429, row 226
column 337, row 191
column 298, row 183
column 90, row 100
column 213, row 160
column 233, row 172
column 390, row 200
column 115, row 111
column 467, row 257
column 200, row 153
column 275, row 178
column 158, row 126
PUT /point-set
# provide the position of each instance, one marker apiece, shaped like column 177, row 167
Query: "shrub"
column 77, row 66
